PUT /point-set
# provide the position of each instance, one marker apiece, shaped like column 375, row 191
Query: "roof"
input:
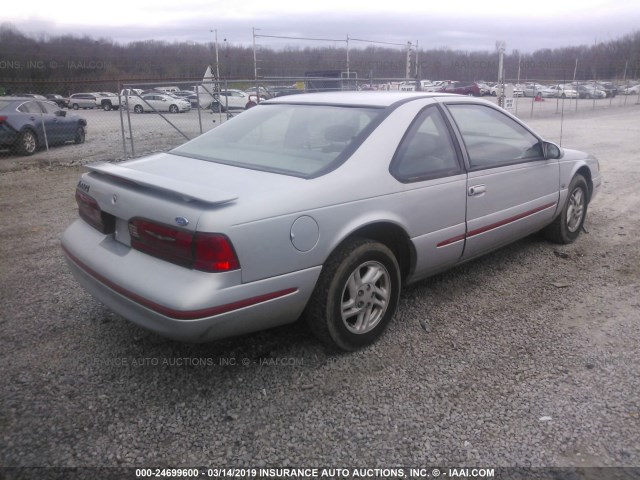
column 367, row 98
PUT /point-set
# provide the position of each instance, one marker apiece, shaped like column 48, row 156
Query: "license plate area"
column 121, row 233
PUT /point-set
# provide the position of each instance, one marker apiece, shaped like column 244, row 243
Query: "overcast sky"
column 526, row 25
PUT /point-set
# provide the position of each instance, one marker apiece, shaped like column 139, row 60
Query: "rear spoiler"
column 187, row 191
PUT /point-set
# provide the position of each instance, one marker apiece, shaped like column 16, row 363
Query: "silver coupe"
column 318, row 206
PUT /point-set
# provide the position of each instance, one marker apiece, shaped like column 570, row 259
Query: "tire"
column 27, row 143
column 138, row 109
column 173, row 109
column 216, row 107
column 106, row 106
column 79, row 136
column 588, row 96
column 567, row 226
column 75, row 106
column 356, row 295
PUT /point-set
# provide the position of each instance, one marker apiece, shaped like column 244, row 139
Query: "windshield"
column 301, row 140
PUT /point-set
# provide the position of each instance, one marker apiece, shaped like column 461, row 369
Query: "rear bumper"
column 176, row 302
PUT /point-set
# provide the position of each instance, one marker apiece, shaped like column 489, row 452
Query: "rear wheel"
column 27, row 143
column 566, row 227
column 138, row 109
column 356, row 295
column 106, row 106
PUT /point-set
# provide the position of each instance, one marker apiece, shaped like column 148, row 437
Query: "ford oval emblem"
column 182, row 221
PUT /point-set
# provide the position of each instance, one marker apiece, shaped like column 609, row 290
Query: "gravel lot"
column 526, row 357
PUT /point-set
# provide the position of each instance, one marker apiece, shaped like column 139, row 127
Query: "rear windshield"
column 300, row 140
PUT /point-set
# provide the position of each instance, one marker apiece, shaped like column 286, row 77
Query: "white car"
column 495, row 90
column 158, row 102
column 560, row 91
column 635, row 90
column 532, row 89
column 232, row 100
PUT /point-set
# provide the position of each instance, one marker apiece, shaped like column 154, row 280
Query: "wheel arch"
column 33, row 130
column 585, row 171
column 393, row 236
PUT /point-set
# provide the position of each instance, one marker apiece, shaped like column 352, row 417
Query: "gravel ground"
column 526, row 357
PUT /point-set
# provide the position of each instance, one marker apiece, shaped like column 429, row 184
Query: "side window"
column 30, row 107
column 48, row 107
column 492, row 138
column 426, row 151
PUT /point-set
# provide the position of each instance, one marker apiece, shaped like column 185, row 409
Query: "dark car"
column 471, row 89
column 193, row 99
column 26, row 124
column 610, row 89
column 58, row 99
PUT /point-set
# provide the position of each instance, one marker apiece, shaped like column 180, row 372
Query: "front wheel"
column 106, row 107
column 356, row 295
column 173, row 109
column 79, row 136
column 138, row 109
column 566, row 227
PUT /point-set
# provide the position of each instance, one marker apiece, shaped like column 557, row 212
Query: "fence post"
column 124, row 140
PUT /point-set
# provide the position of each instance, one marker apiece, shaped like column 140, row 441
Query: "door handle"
column 477, row 190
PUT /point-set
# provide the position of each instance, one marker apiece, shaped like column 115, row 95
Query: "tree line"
column 69, row 63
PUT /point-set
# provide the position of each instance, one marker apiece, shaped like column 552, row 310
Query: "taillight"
column 213, row 252
column 90, row 212
column 2, row 119
column 209, row 252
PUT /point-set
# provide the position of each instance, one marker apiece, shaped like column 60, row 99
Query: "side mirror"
column 552, row 151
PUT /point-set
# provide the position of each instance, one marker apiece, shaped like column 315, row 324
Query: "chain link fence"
column 136, row 119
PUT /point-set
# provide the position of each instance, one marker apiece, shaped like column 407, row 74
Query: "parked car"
column 158, row 102
column 262, row 91
column 470, row 89
column 589, row 91
column 532, row 89
column 609, row 88
column 107, row 101
column 560, row 91
column 494, row 91
column 322, row 206
column 633, row 90
column 30, row 95
column 57, row 99
column 193, row 100
column 83, row 100
column 284, row 91
column 230, row 100
column 437, row 86
column 26, row 125
column 183, row 93
column 484, row 88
